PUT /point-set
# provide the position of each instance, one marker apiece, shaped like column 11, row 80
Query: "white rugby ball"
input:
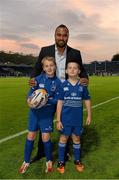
column 37, row 99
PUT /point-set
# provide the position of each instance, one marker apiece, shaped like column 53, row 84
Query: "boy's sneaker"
column 24, row 167
column 49, row 167
column 60, row 167
column 79, row 166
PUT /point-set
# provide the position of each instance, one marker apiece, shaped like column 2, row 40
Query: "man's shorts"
column 35, row 123
column 69, row 130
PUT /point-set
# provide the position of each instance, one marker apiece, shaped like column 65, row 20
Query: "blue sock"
column 28, row 150
column 48, row 150
column 77, row 151
column 61, row 151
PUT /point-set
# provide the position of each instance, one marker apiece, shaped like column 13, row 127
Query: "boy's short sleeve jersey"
column 52, row 86
column 72, row 109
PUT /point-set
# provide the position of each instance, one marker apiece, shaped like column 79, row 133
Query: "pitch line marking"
column 12, row 136
column 25, row 131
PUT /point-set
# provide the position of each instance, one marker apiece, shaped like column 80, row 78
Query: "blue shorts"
column 69, row 130
column 35, row 123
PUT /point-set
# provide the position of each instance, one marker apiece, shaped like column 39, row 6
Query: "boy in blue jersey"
column 70, row 114
column 43, row 118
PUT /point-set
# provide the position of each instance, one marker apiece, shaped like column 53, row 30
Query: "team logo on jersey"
column 73, row 94
column 80, row 88
column 41, row 85
column 53, row 88
column 66, row 89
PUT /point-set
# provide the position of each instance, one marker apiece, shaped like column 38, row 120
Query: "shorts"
column 69, row 130
column 35, row 123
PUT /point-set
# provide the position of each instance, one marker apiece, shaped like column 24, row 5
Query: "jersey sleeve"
column 38, row 67
column 86, row 95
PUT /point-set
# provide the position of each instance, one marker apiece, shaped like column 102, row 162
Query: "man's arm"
column 36, row 70
column 38, row 67
column 84, row 80
column 83, row 73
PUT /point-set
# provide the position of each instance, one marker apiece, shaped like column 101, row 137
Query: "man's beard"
column 61, row 44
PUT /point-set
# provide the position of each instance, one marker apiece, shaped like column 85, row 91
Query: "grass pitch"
column 100, row 141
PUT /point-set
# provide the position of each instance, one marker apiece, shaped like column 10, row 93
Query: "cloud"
column 31, row 24
column 85, row 37
column 30, row 45
column 15, row 37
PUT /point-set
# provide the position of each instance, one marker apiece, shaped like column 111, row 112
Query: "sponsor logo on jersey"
column 72, row 98
column 73, row 94
column 41, row 85
column 66, row 89
column 53, row 88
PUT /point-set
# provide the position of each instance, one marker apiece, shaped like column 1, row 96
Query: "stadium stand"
column 15, row 70
column 99, row 68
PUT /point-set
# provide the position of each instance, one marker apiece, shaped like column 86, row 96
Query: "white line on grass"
column 25, row 131
column 105, row 102
column 12, row 136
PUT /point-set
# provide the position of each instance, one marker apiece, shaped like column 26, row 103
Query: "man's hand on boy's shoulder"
column 32, row 82
column 84, row 81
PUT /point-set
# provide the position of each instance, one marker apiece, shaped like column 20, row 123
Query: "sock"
column 48, row 150
column 61, row 151
column 28, row 150
column 77, row 151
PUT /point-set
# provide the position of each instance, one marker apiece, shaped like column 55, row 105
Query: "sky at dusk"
column 28, row 25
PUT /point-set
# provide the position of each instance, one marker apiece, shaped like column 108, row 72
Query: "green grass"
column 13, row 108
column 100, row 141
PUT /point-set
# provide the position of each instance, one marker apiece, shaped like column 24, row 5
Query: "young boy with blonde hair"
column 42, row 119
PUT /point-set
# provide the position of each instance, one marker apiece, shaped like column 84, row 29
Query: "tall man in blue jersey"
column 62, row 53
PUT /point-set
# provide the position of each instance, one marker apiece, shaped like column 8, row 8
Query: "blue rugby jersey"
column 53, row 86
column 72, row 109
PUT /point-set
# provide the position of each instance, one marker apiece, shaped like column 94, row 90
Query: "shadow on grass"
column 89, row 142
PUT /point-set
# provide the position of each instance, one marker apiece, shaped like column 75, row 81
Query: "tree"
column 17, row 58
column 115, row 57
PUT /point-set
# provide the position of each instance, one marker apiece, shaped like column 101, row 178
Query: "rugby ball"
column 37, row 99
